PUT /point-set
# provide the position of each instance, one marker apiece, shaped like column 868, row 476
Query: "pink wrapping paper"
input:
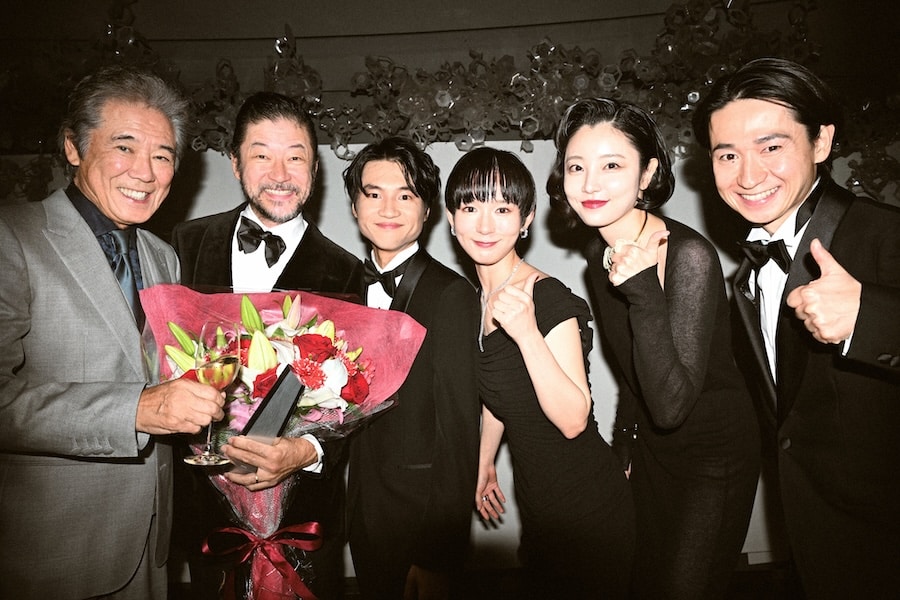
column 390, row 342
column 390, row 339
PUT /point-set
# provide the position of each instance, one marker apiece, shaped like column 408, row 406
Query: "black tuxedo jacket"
column 412, row 470
column 319, row 265
column 833, row 420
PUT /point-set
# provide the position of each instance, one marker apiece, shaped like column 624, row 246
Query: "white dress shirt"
column 768, row 284
column 376, row 297
column 251, row 273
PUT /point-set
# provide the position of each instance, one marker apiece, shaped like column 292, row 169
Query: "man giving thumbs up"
column 822, row 325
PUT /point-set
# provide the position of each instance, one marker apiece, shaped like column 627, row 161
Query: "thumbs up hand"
column 629, row 259
column 829, row 305
column 513, row 308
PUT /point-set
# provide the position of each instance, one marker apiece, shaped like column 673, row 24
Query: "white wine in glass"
column 219, row 351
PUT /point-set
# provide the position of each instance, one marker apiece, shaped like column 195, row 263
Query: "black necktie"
column 124, row 272
column 250, row 235
column 759, row 253
column 388, row 279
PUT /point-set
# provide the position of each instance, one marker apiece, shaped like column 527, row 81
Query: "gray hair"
column 116, row 83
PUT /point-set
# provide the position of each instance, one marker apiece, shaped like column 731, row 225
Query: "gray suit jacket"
column 78, row 485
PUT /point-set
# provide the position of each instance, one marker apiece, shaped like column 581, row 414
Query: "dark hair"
column 115, row 83
column 271, row 106
column 483, row 172
column 636, row 125
column 774, row 80
column 422, row 176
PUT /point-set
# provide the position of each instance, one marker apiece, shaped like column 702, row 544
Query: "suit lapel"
column 156, row 267
column 77, row 248
column 213, row 263
column 749, row 314
column 793, row 339
column 300, row 273
column 410, row 279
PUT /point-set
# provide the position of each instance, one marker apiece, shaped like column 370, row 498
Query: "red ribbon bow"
column 269, row 549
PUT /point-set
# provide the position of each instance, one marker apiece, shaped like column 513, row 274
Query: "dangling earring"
column 453, row 231
column 524, row 233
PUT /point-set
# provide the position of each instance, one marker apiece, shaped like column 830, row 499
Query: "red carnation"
column 309, row 373
column 357, row 388
column 314, row 347
column 264, row 382
column 244, row 348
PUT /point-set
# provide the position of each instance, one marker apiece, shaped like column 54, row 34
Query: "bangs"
column 489, row 175
column 482, row 186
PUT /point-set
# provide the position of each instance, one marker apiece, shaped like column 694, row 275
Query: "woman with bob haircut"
column 685, row 426
column 576, row 510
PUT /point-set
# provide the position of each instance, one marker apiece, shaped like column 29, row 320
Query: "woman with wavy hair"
column 685, row 426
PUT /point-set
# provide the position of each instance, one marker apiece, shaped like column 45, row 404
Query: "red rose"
column 264, row 382
column 314, row 347
column 357, row 388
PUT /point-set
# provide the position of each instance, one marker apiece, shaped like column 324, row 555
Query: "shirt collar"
column 397, row 260
column 99, row 223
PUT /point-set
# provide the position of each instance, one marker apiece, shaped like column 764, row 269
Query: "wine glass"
column 218, row 355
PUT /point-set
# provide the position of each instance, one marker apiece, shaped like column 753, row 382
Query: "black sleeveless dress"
column 573, row 498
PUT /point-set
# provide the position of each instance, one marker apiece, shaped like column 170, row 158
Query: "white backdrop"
column 206, row 185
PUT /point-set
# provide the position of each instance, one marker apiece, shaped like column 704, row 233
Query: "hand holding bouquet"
column 351, row 360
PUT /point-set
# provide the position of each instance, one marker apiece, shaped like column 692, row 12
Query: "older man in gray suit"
column 85, row 481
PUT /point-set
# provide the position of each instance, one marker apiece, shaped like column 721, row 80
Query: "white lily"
column 336, row 375
column 322, row 398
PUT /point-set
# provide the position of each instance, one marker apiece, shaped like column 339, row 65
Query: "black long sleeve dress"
column 685, row 421
column 574, row 502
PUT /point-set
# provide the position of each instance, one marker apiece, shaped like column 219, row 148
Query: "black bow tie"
column 759, row 253
column 250, row 235
column 388, row 279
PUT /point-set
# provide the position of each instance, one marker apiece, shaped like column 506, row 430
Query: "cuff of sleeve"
column 315, row 467
column 845, row 345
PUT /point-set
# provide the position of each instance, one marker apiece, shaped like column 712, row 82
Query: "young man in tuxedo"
column 818, row 295
column 412, row 470
column 261, row 245
column 85, row 460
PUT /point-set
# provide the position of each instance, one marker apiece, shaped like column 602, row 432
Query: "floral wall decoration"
column 470, row 103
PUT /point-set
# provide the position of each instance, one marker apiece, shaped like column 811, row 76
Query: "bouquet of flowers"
column 351, row 360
